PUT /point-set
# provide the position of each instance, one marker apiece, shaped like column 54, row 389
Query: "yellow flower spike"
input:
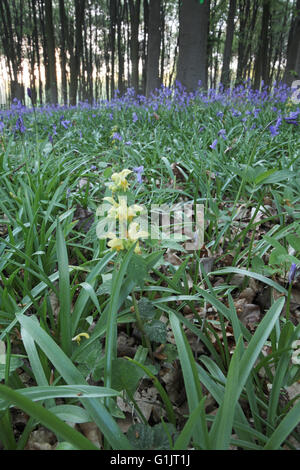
column 77, row 338
column 119, row 180
column 116, row 244
column 134, row 233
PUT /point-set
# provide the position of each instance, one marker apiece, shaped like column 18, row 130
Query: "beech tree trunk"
column 51, row 90
column 292, row 71
column 154, row 40
column 261, row 60
column 134, row 8
column 225, row 76
column 192, row 60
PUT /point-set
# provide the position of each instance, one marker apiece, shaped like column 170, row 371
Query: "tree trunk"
column 145, row 46
column 120, row 17
column 262, row 65
column 292, row 70
column 51, row 90
column 134, row 8
column 192, row 60
column 63, row 58
column 112, row 37
column 154, row 39
column 76, row 56
column 225, row 76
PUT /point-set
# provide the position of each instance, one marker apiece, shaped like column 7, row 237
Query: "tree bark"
column 63, row 58
column 193, row 28
column 225, row 76
column 154, row 40
column 134, row 8
column 51, row 90
column 262, row 65
column 292, row 70
column 76, row 56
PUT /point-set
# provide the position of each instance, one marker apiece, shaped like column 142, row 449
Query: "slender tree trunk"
column 120, row 17
column 292, row 70
column 76, row 57
column 112, row 37
column 154, row 40
column 163, row 42
column 145, row 46
column 63, row 58
column 262, row 67
column 192, row 60
column 51, row 91
column 134, row 8
column 225, row 76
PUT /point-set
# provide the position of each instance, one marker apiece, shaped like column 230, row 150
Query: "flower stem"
column 140, row 326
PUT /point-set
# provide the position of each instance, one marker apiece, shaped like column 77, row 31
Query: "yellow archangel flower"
column 133, row 234
column 121, row 211
column 77, row 338
column 120, row 181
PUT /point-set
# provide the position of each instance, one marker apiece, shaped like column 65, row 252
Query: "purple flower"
column 93, row 167
column 29, row 93
column 20, row 125
column 222, row 133
column 214, row 144
column 292, row 118
column 1, row 126
column 50, row 138
column 139, row 170
column 134, row 117
column 292, row 273
column 275, row 129
column 117, row 136
column 65, row 123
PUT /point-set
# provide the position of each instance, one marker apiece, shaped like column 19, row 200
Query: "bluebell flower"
column 20, row 125
column 117, row 136
column 139, row 170
column 134, row 117
column 214, row 144
column 275, row 129
column 292, row 118
column 65, row 123
column 292, row 273
column 222, row 133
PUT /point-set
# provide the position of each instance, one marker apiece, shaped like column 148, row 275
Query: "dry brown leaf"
column 92, row 432
column 41, row 439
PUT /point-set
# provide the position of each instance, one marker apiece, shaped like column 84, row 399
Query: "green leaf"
column 14, row 363
column 64, row 292
column 259, row 277
column 146, row 308
column 126, row 375
column 221, row 430
column 49, row 420
column 72, row 376
column 156, row 331
column 191, row 380
column 137, row 269
column 287, row 425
